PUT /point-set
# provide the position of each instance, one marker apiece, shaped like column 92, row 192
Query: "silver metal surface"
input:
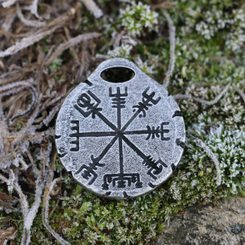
column 120, row 139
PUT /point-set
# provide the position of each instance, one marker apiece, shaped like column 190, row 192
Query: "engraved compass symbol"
column 118, row 165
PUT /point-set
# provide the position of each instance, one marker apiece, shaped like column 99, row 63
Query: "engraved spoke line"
column 112, row 126
column 148, row 161
column 118, row 102
column 107, row 148
column 120, row 139
column 94, row 134
column 135, row 148
column 114, row 133
column 118, row 107
column 105, row 120
column 95, row 161
column 145, row 102
column 120, row 155
column 97, row 112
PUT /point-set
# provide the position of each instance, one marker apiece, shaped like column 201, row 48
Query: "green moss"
column 55, row 65
column 80, row 215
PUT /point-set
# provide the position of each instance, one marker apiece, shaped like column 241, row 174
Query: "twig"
column 93, row 8
column 213, row 157
column 40, row 183
column 241, row 93
column 33, row 23
column 49, row 117
column 14, row 88
column 72, row 42
column 54, row 101
column 163, row 5
column 29, row 108
column 73, row 52
column 7, row 235
column 202, row 101
column 3, row 122
column 8, row 3
column 26, row 42
column 29, row 214
column 3, row 179
column 45, row 211
column 29, row 218
column 172, row 43
column 7, row 24
column 23, row 199
column 3, row 130
column 8, row 88
column 39, row 35
column 34, row 8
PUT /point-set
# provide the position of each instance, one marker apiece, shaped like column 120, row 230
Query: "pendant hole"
column 117, row 74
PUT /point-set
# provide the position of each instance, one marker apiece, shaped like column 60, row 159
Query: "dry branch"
column 202, row 101
column 241, row 93
column 6, row 235
column 32, row 212
column 39, row 35
column 93, row 8
column 26, row 42
column 172, row 43
column 3, row 122
column 7, row 24
column 16, row 87
column 72, row 42
column 23, row 199
column 213, row 157
column 163, row 5
column 32, row 23
column 45, row 212
column 34, row 8
column 8, row 3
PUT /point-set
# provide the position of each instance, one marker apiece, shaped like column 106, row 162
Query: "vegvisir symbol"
column 88, row 105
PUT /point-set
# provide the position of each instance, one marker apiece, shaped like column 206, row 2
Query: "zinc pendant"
column 120, row 133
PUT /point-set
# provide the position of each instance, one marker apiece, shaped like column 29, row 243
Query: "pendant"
column 120, row 133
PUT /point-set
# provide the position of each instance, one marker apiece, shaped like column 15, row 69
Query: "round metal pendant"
column 120, row 137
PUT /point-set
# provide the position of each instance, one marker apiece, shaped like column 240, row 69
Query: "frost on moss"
column 229, row 146
column 121, row 51
column 136, row 18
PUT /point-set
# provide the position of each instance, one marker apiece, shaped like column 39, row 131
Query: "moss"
column 98, row 221
column 55, row 65
column 81, row 215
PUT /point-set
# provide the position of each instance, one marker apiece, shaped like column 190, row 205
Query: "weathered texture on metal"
column 120, row 139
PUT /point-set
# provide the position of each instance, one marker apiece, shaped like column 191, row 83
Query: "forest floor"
column 195, row 49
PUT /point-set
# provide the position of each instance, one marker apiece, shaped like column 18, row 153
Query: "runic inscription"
column 88, row 105
column 120, row 133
